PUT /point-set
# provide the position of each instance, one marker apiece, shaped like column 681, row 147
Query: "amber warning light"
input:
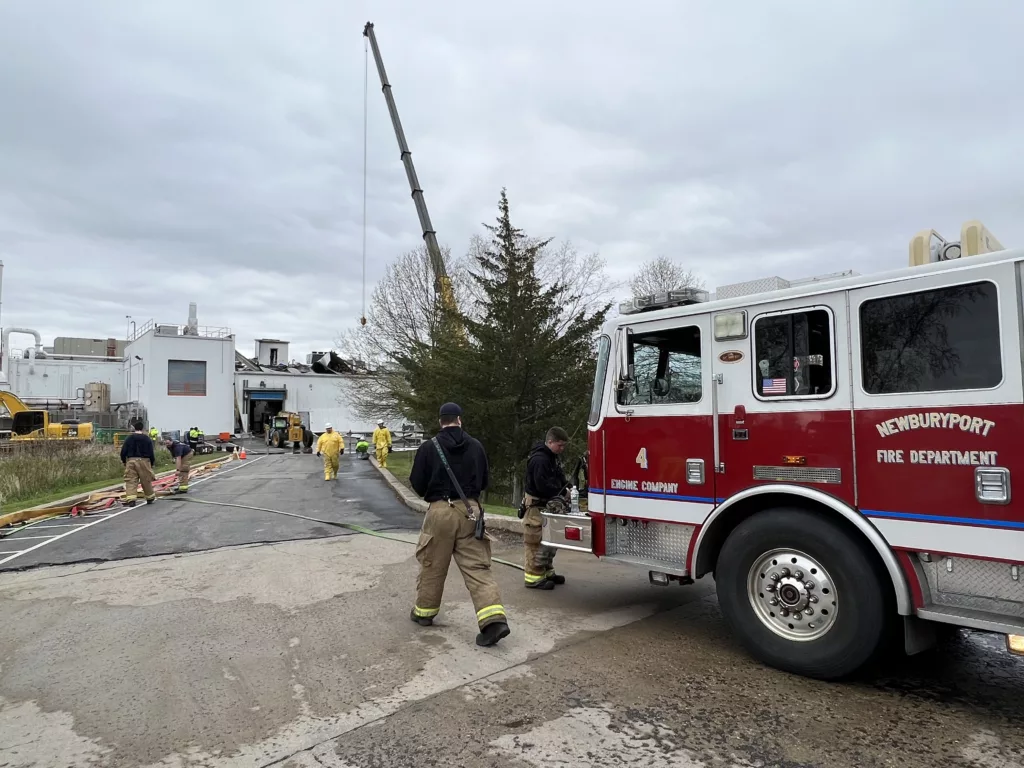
column 572, row 533
column 791, row 460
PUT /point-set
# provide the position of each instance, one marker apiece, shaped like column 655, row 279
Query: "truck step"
column 967, row 617
column 650, row 564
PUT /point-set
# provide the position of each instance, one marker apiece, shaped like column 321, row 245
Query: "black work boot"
column 423, row 621
column 492, row 633
column 546, row 585
column 130, row 503
column 556, row 578
column 151, row 501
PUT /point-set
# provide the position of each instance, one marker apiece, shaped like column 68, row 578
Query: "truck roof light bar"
column 677, row 298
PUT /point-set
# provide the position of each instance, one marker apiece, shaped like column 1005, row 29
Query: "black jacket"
column 468, row 461
column 545, row 477
column 138, row 446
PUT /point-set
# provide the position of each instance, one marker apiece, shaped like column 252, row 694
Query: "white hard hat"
column 328, row 426
column 381, row 421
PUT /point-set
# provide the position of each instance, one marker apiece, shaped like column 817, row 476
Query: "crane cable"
column 366, row 86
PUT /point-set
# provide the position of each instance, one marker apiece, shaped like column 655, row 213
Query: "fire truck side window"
column 941, row 340
column 666, row 367
column 793, row 354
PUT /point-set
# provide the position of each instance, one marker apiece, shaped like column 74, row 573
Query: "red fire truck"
column 837, row 453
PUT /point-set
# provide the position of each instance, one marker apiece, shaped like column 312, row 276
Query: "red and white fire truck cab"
column 837, row 453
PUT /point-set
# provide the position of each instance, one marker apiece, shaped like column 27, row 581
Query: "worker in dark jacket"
column 182, row 454
column 546, row 488
column 139, row 459
column 448, row 526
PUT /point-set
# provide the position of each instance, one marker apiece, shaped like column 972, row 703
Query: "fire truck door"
column 784, row 397
column 658, row 437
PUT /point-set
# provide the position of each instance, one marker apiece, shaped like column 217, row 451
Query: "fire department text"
column 971, row 424
column 963, row 458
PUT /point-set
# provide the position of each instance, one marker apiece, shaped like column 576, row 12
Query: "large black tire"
column 859, row 589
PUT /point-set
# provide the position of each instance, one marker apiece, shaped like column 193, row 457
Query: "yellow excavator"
column 31, row 424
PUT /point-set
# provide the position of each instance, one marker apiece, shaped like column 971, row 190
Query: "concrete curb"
column 415, row 503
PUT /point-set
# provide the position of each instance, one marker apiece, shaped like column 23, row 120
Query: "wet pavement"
column 288, row 482
column 299, row 653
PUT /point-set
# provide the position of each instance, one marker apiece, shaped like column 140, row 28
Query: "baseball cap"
column 450, row 409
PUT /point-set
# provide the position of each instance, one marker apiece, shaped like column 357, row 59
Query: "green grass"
column 400, row 465
column 28, row 480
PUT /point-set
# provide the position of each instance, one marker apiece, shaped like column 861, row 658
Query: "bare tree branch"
column 662, row 274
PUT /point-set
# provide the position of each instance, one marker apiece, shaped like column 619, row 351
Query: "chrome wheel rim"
column 792, row 595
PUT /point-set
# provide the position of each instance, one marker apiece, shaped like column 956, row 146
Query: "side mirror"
column 625, row 366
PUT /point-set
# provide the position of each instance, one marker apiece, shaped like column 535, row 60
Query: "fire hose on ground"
column 104, row 500
column 337, row 524
column 92, row 503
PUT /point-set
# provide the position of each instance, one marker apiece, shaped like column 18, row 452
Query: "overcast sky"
column 160, row 152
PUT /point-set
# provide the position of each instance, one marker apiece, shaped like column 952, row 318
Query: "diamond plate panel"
column 648, row 539
column 824, row 475
column 976, row 584
column 763, row 285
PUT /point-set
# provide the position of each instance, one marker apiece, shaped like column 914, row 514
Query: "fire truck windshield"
column 604, row 349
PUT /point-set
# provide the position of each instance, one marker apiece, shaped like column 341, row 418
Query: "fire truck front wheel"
column 802, row 594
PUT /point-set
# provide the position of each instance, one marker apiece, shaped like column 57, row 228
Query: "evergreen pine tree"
column 524, row 370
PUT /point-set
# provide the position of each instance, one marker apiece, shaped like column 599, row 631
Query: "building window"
column 186, row 377
column 941, row 340
column 793, row 354
column 666, row 368
column 273, row 357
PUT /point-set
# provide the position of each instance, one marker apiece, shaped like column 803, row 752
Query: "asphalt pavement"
column 283, row 481
column 299, row 653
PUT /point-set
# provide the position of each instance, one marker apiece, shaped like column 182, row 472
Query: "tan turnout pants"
column 183, row 473
column 138, row 472
column 538, row 560
column 446, row 533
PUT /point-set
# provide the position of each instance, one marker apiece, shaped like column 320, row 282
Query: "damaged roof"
column 330, row 364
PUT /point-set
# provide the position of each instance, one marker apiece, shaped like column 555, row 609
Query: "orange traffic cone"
column 241, row 453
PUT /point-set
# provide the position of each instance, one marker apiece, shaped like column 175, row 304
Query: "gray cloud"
column 159, row 153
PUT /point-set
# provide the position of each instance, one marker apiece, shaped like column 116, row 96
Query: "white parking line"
column 24, row 538
column 6, row 557
column 44, row 527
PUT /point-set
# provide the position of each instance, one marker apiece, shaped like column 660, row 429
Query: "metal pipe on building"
column 5, row 344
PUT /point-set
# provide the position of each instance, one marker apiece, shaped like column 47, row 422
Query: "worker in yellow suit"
column 382, row 443
column 331, row 445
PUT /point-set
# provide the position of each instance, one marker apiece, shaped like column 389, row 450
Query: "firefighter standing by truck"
column 182, row 454
column 331, row 445
column 449, row 526
column 139, row 457
column 382, row 443
column 546, row 488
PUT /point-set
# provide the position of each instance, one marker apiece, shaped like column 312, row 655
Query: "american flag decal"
column 773, row 386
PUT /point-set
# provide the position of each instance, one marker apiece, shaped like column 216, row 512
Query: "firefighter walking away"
column 331, row 445
column 139, row 458
column 449, row 526
column 546, row 488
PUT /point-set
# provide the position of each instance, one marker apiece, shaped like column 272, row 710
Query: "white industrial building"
column 181, row 376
